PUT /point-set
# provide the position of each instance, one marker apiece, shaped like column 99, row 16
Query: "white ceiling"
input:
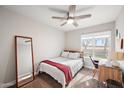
column 100, row 14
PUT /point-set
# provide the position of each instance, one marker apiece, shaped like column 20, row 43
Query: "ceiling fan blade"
column 75, row 24
column 72, row 9
column 57, row 10
column 86, row 8
column 63, row 24
column 82, row 16
column 55, row 17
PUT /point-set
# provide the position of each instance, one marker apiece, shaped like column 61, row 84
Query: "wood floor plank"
column 44, row 80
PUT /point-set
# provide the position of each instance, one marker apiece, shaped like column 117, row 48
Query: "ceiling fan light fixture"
column 70, row 16
column 70, row 21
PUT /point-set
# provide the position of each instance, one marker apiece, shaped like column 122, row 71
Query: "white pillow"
column 64, row 54
column 74, row 55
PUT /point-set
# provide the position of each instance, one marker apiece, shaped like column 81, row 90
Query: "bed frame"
column 81, row 56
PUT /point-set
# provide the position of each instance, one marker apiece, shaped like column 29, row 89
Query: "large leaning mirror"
column 24, row 60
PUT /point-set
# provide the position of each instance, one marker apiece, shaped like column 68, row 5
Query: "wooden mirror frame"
column 17, row 83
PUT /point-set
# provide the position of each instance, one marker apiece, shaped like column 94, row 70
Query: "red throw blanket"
column 64, row 68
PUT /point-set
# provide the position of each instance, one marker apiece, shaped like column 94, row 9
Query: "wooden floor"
column 45, row 81
column 91, row 83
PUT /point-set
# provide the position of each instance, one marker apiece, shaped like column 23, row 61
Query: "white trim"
column 1, row 84
column 6, row 85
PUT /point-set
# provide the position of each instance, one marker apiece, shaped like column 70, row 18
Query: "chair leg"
column 94, row 72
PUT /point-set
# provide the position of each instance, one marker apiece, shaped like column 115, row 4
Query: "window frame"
column 108, row 36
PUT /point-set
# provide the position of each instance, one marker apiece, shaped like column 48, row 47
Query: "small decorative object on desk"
column 115, row 64
column 108, row 64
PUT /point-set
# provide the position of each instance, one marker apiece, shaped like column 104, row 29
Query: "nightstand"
column 113, row 73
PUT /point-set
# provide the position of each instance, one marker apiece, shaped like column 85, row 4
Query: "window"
column 96, row 45
column 88, row 46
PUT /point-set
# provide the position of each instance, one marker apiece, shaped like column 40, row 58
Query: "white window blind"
column 97, row 45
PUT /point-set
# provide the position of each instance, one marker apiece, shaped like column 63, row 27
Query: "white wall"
column 120, row 27
column 73, row 38
column 47, row 42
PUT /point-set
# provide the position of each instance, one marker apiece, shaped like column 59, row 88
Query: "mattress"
column 74, row 64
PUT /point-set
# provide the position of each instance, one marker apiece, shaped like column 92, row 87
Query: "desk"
column 113, row 73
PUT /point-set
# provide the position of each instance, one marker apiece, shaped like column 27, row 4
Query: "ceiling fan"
column 71, row 18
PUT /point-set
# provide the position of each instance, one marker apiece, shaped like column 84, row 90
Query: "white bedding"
column 74, row 64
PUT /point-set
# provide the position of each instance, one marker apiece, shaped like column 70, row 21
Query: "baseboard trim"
column 6, row 85
column 1, row 84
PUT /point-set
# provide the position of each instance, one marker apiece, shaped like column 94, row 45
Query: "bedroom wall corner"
column 47, row 42
column 120, row 28
column 73, row 38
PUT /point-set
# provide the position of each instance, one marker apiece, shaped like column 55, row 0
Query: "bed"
column 74, row 64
